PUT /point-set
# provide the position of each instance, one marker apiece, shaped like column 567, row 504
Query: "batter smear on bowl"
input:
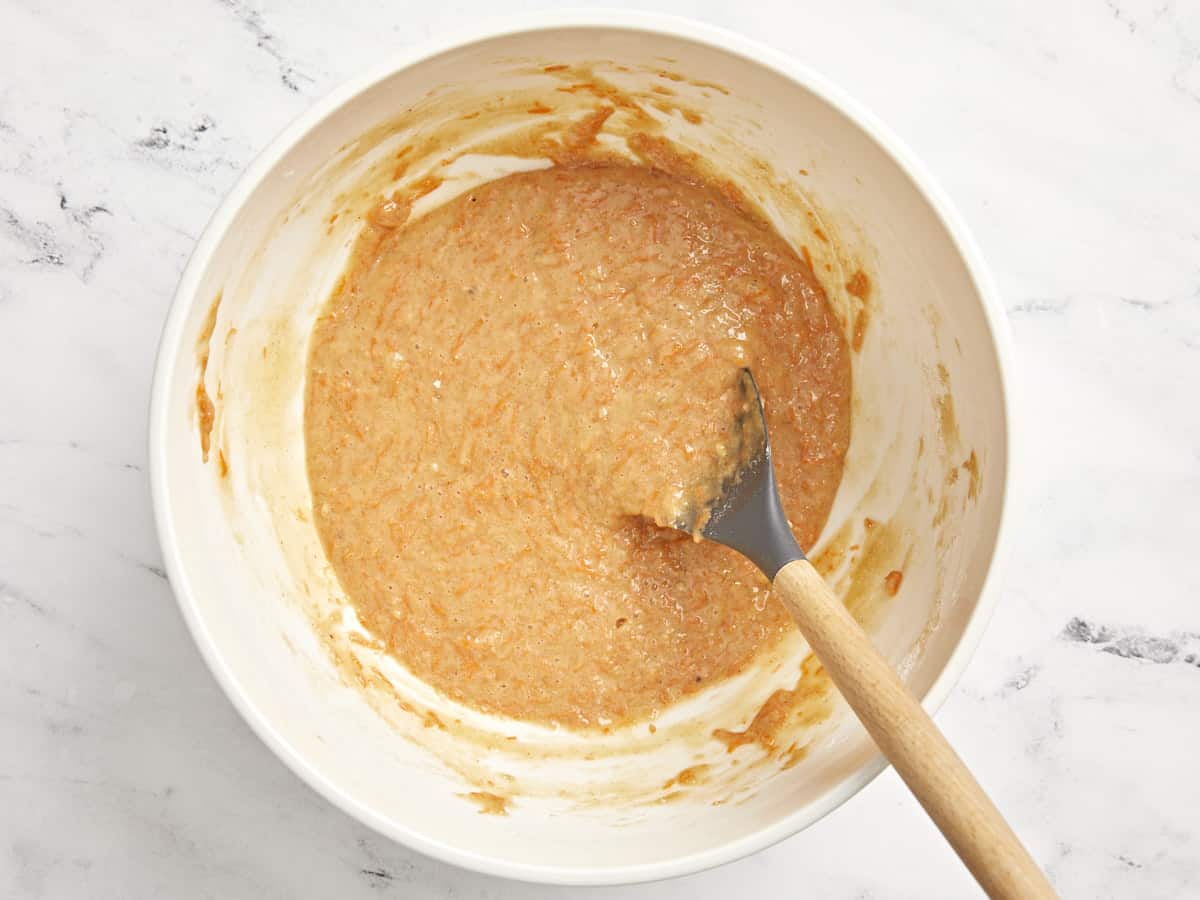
column 506, row 395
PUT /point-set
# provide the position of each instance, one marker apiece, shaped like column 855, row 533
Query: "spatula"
column 747, row 516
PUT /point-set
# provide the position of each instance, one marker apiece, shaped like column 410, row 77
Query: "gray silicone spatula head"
column 746, row 515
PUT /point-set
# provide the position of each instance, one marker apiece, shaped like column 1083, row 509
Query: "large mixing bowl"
column 923, row 494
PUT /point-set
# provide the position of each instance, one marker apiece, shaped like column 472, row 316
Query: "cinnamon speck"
column 489, row 804
column 971, row 467
column 205, row 414
column 891, row 582
column 859, row 285
column 861, row 318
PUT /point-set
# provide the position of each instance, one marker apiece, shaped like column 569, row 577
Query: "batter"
column 508, row 397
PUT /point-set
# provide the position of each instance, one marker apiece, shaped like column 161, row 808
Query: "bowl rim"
column 186, row 295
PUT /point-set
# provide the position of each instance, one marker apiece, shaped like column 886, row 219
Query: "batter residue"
column 504, row 395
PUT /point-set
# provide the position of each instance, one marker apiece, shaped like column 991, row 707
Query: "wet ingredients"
column 506, row 399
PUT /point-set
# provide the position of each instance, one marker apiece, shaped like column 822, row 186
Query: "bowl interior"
column 923, row 492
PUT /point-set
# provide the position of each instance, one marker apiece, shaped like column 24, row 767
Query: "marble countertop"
column 1067, row 133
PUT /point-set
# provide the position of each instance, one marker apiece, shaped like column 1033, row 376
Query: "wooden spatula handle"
column 908, row 738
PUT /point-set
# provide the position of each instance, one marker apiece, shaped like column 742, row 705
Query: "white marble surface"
column 1068, row 133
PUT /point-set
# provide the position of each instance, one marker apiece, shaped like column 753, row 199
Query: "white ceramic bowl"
column 929, row 457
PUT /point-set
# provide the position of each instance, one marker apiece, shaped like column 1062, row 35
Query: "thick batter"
column 505, row 395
